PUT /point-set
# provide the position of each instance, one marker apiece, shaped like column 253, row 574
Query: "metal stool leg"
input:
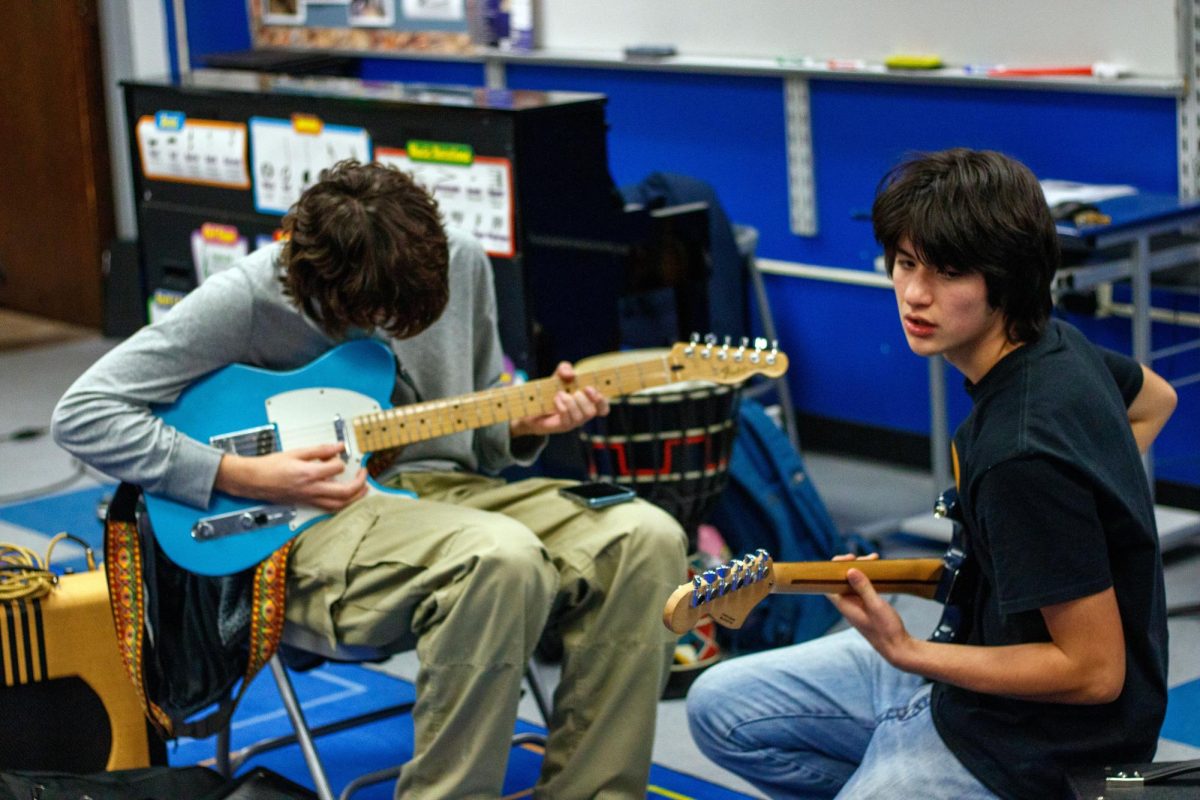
column 303, row 735
column 537, row 688
column 223, row 764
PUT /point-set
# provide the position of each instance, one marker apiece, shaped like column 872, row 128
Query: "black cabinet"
column 219, row 156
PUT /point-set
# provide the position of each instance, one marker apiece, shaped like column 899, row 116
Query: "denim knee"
column 707, row 712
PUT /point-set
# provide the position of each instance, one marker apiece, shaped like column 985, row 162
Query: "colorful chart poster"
column 215, row 248
column 476, row 195
column 210, row 152
column 289, row 154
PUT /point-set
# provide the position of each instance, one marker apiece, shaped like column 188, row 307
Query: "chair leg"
column 538, row 688
column 223, row 763
column 303, row 735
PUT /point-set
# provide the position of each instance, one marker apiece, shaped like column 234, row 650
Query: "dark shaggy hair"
column 366, row 249
column 975, row 211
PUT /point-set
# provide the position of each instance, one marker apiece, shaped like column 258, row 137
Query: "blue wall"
column 849, row 359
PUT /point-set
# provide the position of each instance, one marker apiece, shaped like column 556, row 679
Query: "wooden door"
column 56, row 207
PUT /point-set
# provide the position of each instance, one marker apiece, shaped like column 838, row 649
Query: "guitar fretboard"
column 916, row 576
column 404, row 425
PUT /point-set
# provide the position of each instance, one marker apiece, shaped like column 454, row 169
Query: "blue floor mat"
column 1182, row 723
column 73, row 512
column 338, row 690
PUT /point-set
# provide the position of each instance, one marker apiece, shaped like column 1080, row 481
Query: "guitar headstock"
column 725, row 363
column 727, row 594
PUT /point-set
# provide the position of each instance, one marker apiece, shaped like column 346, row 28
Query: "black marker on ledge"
column 650, row 51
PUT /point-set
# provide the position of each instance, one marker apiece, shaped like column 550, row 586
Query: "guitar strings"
column 319, row 432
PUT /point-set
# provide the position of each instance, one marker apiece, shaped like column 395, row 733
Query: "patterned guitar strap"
column 126, row 590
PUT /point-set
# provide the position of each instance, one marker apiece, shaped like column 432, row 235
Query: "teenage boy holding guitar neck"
column 1061, row 658
column 473, row 570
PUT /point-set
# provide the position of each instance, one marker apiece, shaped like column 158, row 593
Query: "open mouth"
column 918, row 326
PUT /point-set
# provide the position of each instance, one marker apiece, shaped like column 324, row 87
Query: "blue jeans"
column 826, row 718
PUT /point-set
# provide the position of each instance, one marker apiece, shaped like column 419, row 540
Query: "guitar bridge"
column 247, row 520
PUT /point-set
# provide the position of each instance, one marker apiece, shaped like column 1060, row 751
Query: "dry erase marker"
column 1099, row 70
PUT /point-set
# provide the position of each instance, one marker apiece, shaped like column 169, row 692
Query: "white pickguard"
column 308, row 417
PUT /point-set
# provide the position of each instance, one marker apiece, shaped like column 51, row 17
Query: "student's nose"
column 917, row 286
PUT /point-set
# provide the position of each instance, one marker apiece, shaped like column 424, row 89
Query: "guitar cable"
column 24, row 575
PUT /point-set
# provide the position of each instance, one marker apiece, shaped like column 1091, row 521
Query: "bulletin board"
column 433, row 26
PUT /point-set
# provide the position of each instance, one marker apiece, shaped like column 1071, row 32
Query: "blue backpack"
column 770, row 502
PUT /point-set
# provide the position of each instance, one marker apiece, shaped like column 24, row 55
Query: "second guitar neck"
column 915, row 576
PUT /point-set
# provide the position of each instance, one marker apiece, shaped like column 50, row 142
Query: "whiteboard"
column 1140, row 35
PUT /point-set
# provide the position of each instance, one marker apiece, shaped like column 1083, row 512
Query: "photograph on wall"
column 283, row 12
column 372, row 13
column 440, row 10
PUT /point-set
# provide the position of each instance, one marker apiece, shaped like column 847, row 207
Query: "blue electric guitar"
column 342, row 397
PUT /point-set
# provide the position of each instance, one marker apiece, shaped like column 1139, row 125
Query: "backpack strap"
column 126, row 587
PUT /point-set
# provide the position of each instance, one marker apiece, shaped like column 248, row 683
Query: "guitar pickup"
column 247, row 520
column 257, row 441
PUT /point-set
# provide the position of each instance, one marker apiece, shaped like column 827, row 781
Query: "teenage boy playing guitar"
column 1062, row 656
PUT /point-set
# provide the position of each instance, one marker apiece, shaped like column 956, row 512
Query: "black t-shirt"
column 1056, row 507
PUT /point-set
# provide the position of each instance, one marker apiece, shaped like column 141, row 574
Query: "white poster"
column 288, row 156
column 477, row 196
column 175, row 148
column 216, row 248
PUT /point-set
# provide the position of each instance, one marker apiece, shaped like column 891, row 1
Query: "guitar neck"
column 916, row 576
column 418, row 422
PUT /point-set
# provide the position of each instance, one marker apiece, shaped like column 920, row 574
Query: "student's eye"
column 905, row 263
column 950, row 274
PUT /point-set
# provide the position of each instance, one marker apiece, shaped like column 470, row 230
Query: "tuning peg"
column 710, row 339
column 760, row 343
column 722, row 571
column 738, row 575
column 710, row 578
column 741, row 351
column 697, row 585
column 748, row 568
column 763, row 556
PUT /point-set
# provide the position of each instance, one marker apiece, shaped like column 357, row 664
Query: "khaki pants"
column 470, row 574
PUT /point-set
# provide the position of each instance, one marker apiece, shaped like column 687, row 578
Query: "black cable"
column 23, row 434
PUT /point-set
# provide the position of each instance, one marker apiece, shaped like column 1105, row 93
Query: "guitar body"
column 278, row 410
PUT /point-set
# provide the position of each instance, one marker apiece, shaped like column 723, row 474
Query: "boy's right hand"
column 305, row 475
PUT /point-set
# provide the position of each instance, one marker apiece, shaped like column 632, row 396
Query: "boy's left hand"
column 869, row 613
column 572, row 409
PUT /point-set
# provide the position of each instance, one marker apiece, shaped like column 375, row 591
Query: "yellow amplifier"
column 68, row 703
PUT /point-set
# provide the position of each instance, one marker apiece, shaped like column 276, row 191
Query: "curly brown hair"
column 366, row 248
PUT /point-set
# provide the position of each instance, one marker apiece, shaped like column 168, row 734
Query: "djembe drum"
column 670, row 444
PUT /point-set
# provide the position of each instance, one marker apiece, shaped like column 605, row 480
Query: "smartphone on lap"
column 597, row 494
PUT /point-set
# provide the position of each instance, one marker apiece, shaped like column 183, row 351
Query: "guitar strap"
column 124, row 567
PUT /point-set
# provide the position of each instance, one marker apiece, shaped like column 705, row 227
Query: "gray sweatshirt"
column 242, row 316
